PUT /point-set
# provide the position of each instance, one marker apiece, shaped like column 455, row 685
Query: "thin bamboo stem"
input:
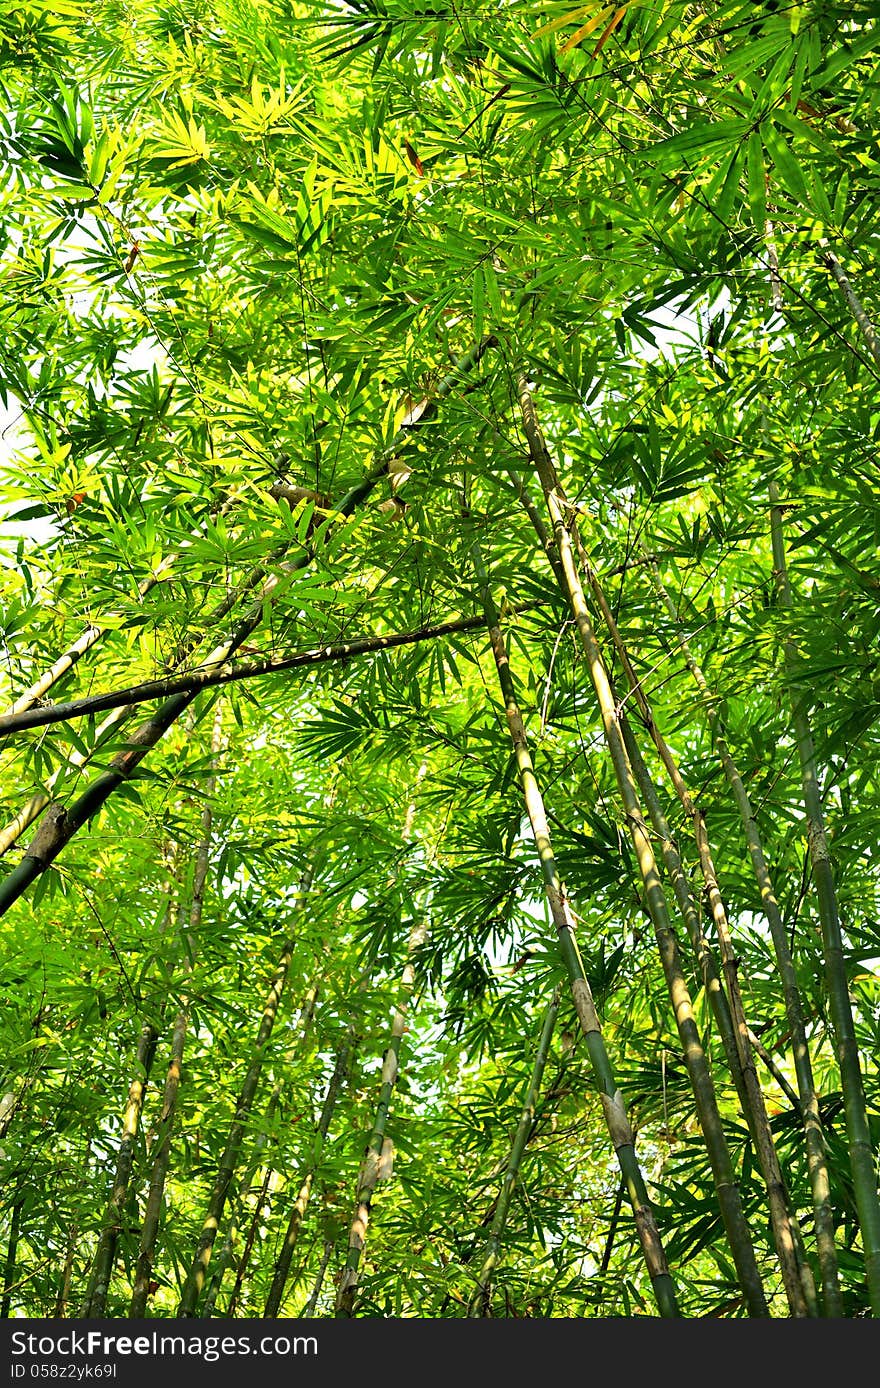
column 853, row 303
column 861, row 1153
column 370, row 1173
column 796, row 1274
column 613, row 1106
column 95, row 1300
column 479, row 1304
column 814, row 1138
column 742, row 1251
column 162, row 1160
column 211, row 677
column 197, row 1275
column 337, row 1079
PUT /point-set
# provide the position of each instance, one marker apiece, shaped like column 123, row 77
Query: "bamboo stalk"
column 613, row 1106
column 197, row 1275
column 95, row 1300
column 11, row 1255
column 309, row 1309
column 341, row 1069
column 814, row 1138
column 370, row 1172
column 749, row 1277
column 479, row 1304
column 796, row 1274
column 162, row 1160
column 212, row 676
column 853, row 303
column 861, row 1153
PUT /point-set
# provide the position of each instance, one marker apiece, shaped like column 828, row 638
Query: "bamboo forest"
column 439, row 680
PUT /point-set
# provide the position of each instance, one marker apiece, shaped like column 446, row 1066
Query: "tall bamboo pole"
column 228, row 1163
column 614, row 1109
column 161, row 1162
column 796, row 1273
column 808, row 1097
column 371, row 1168
column 341, row 1068
column 95, row 1301
column 695, row 1059
column 479, row 1303
column 861, row 1153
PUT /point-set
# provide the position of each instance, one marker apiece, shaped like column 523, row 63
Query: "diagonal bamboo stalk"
column 211, row 677
column 742, row 1250
column 479, row 1303
column 61, row 823
column 861, row 1153
column 613, row 1106
column 808, row 1097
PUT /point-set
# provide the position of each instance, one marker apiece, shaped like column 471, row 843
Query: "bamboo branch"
column 209, row 677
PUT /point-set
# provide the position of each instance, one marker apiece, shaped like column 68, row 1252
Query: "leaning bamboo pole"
column 479, row 1302
column 613, row 1106
column 808, row 1098
column 695, row 1059
column 61, row 823
column 861, row 1154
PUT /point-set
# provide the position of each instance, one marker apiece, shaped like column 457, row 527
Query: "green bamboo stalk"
column 162, row 1160
column 309, row 1309
column 614, row 1109
column 861, row 1154
column 211, row 677
column 95, row 1301
column 197, row 1275
column 370, row 1172
column 341, row 1070
column 11, row 1256
column 479, row 1304
column 796, row 1273
column 853, row 303
column 743, row 1253
column 814, row 1138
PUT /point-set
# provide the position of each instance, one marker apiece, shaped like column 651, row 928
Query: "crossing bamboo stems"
column 796, row 1273
column 613, row 1106
column 747, row 1271
column 814, row 1139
